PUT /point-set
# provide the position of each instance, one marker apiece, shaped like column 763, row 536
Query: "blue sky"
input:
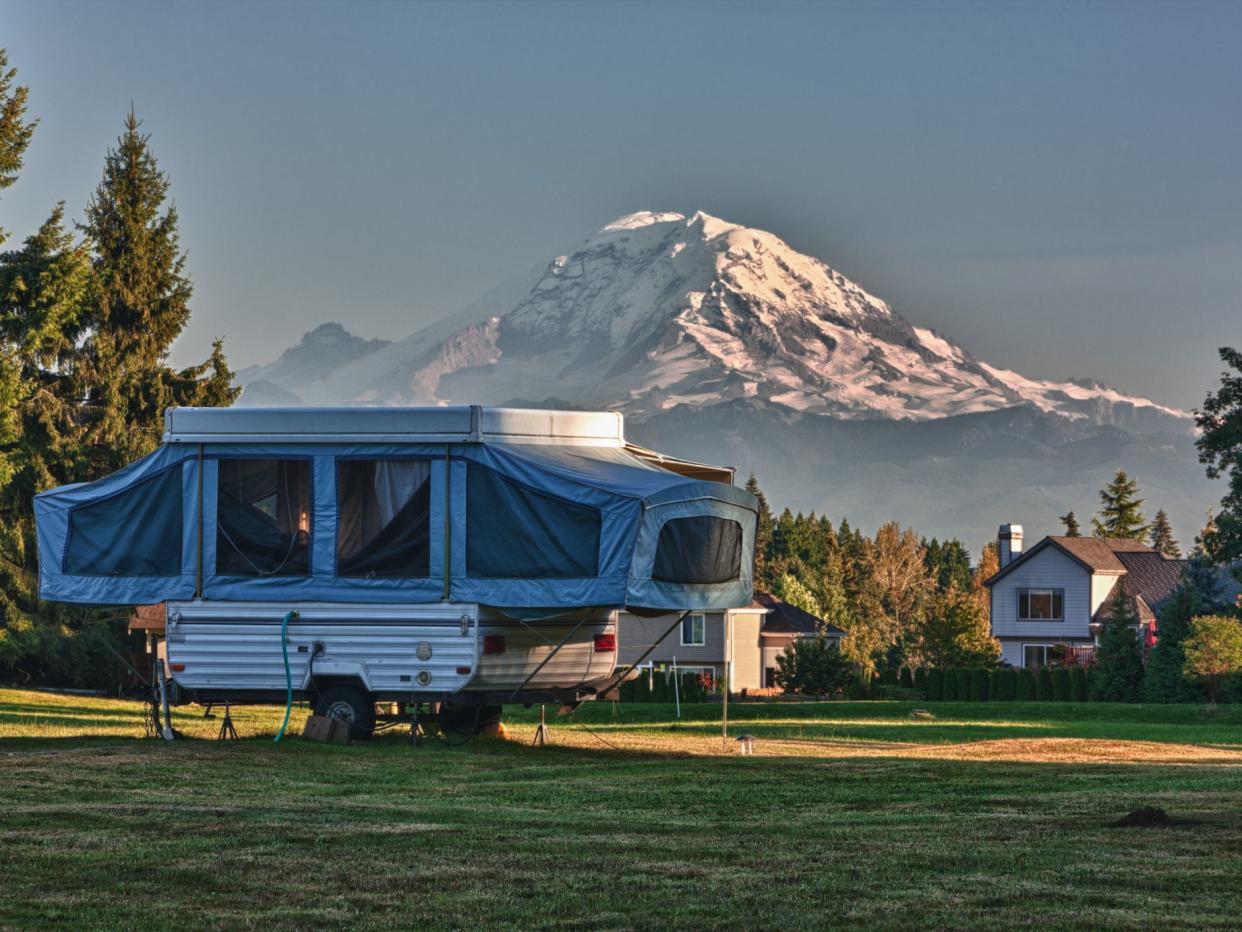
column 1057, row 186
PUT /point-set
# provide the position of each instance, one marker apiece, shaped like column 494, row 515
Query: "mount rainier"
column 721, row 342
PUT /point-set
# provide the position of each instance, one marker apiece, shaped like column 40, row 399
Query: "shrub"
column 979, row 685
column 814, row 667
column 963, row 684
column 1003, row 685
column 1078, row 684
column 1043, row 685
column 906, row 679
column 920, row 680
column 1025, row 691
column 934, row 684
column 1061, row 684
column 888, row 677
column 948, row 690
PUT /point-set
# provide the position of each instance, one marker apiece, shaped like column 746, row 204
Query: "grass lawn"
column 851, row 814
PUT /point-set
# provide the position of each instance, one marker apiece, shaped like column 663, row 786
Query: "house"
column 1061, row 592
column 758, row 634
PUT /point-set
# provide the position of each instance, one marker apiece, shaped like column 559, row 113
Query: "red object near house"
column 1149, row 635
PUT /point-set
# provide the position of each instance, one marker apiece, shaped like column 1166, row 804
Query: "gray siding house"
column 1060, row 592
column 758, row 634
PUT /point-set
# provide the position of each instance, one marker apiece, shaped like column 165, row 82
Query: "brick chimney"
column 1009, row 541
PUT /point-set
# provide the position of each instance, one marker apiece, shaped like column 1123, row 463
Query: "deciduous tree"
column 1213, row 650
column 1220, row 451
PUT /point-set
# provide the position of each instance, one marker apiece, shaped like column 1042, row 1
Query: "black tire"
column 349, row 704
column 469, row 721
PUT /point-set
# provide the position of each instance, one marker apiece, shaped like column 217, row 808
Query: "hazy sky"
column 1057, row 186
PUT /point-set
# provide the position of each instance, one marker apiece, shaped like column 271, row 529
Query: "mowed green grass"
column 100, row 828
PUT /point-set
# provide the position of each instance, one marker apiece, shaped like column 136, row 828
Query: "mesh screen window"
column 383, row 518
column 699, row 549
column 263, row 510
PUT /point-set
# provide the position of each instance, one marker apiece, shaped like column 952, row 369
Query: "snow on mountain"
column 657, row 310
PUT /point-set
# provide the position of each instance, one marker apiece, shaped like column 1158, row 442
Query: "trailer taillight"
column 177, row 667
column 493, row 643
column 605, row 643
column 463, row 671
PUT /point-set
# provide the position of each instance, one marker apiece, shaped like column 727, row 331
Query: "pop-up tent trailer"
column 243, row 513
column 521, row 510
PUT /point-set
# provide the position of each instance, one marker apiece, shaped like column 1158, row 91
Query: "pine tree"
column 1071, row 524
column 1120, row 513
column 763, row 535
column 140, row 304
column 1118, row 672
column 15, row 130
column 1160, row 536
column 1220, row 451
column 1164, row 680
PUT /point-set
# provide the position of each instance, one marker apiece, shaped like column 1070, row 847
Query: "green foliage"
column 920, row 680
column 1043, row 684
column 1220, row 451
column 1160, row 536
column 1003, row 685
column 1061, row 684
column 906, row 679
column 1071, row 525
column 1078, row 684
column 85, row 330
column 963, row 677
column 813, row 667
column 1213, row 650
column 948, row 564
column 948, row 688
column 790, row 589
column 1118, row 673
column 957, row 631
column 934, row 689
column 1025, row 691
column 15, row 130
column 979, row 685
column 1164, row 679
column 1121, row 511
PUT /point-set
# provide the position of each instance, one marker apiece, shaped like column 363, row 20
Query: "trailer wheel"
column 349, row 704
column 469, row 721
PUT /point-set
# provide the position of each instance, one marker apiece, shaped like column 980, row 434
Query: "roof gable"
column 1097, row 555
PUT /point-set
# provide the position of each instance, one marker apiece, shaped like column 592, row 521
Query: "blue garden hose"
column 284, row 652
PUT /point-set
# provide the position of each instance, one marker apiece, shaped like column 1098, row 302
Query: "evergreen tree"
column 1220, row 451
column 790, row 589
column 763, row 535
column 1160, row 536
column 140, row 303
column 83, row 382
column 15, row 130
column 1118, row 672
column 948, row 563
column 1071, row 524
column 1121, row 513
column 1164, row 680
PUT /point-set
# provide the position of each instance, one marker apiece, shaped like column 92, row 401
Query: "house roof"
column 1150, row 578
column 783, row 618
column 1095, row 554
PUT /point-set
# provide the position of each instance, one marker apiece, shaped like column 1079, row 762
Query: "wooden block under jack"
column 327, row 730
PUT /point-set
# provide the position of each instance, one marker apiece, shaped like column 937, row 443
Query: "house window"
column 693, row 631
column 1035, row 656
column 1041, row 605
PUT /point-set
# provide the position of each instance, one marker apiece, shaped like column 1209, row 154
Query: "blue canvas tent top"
column 522, row 510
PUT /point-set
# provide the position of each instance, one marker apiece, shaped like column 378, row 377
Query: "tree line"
column 88, row 313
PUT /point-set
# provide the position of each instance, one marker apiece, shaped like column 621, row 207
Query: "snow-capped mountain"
column 722, row 343
column 657, row 310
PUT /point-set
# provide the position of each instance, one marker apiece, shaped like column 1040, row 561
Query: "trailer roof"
column 376, row 424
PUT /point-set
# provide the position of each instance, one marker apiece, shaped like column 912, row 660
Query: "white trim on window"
column 1051, row 604
column 697, row 626
column 1042, row 646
